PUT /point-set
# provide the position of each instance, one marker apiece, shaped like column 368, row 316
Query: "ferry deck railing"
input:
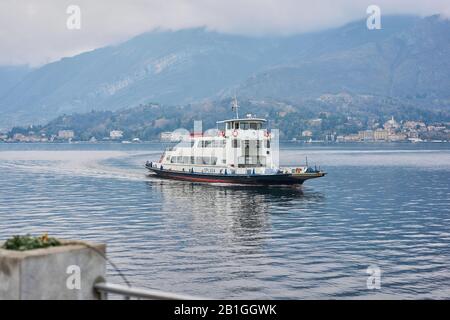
column 105, row 288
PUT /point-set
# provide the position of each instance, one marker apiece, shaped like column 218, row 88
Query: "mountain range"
column 407, row 60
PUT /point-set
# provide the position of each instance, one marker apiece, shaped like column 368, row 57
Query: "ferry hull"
column 258, row 179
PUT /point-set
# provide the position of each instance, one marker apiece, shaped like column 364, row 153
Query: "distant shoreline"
column 168, row 142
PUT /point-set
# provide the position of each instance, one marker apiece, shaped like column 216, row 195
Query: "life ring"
column 298, row 170
column 221, row 134
column 235, row 133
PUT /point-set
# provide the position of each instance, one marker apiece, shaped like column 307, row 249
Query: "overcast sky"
column 35, row 31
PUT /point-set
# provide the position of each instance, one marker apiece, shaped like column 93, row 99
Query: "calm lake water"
column 382, row 205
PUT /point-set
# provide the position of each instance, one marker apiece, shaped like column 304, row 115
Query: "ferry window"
column 213, row 160
column 236, row 125
column 254, row 126
column 172, row 159
column 236, row 143
column 186, row 144
column 229, row 125
column 206, row 144
column 206, row 160
column 218, row 143
column 267, row 144
column 179, row 159
column 245, row 126
column 262, row 160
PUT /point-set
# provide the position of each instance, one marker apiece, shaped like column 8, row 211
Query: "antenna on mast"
column 235, row 106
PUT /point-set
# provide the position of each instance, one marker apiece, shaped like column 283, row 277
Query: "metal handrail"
column 103, row 288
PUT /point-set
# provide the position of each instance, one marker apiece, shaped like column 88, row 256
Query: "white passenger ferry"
column 241, row 152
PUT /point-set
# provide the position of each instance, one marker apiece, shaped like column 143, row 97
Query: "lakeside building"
column 436, row 127
column 165, row 136
column 307, row 133
column 377, row 135
column 412, row 134
column 398, row 137
column 394, row 131
column 352, row 138
column 414, row 125
column 391, row 125
column 340, row 138
column 66, row 134
column 366, row 135
column 381, row 135
column 315, row 122
column 116, row 134
column 174, row 135
column 330, row 137
column 19, row 137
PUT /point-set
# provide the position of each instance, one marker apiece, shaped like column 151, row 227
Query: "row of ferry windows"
column 204, row 144
column 243, row 125
column 194, row 160
column 221, row 143
column 212, row 143
column 237, row 143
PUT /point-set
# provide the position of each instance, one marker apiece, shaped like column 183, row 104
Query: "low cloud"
column 35, row 32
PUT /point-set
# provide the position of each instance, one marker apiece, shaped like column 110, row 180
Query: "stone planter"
column 64, row 272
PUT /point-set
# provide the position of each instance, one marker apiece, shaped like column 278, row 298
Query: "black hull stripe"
column 279, row 179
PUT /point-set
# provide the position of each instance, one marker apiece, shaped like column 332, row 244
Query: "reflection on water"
column 240, row 241
column 241, row 212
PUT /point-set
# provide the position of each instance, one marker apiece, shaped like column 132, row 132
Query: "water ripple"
column 386, row 208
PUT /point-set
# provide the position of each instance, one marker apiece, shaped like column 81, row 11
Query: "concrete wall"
column 43, row 273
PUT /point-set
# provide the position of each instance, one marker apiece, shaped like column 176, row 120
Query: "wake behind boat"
column 240, row 152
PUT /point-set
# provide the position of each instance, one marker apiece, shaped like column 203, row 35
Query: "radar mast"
column 235, row 106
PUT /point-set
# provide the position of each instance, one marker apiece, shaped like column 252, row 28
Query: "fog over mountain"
column 10, row 76
column 407, row 59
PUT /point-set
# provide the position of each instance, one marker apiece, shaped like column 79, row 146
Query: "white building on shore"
column 116, row 134
column 66, row 134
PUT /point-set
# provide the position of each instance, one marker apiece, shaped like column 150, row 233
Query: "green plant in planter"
column 23, row 243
